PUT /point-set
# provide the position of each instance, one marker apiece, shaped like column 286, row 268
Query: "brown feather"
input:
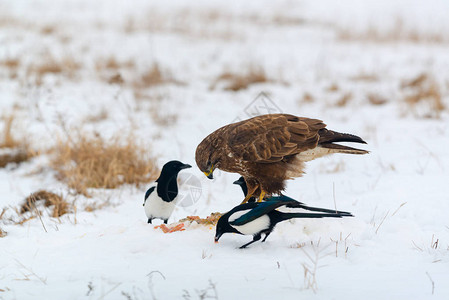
column 266, row 150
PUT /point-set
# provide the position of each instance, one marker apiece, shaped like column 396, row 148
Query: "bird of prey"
column 160, row 198
column 269, row 149
column 257, row 218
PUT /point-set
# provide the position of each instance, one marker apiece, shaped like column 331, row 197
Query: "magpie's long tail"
column 331, row 211
column 287, row 216
column 292, row 203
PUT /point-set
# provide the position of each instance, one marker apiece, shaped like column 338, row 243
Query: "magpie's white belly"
column 254, row 226
column 155, row 207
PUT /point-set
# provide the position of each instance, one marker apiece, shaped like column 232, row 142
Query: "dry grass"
column 333, row 88
column 163, row 120
column 397, row 33
column 344, row 100
column 116, row 79
column 376, row 99
column 97, row 117
column 113, row 64
column 415, row 82
column 422, row 95
column 48, row 64
column 11, row 65
column 366, row 77
column 16, row 157
column 110, row 69
column 48, row 29
column 92, row 162
column 307, row 98
column 2, row 233
column 154, row 76
column 8, row 140
column 235, row 82
column 59, row 205
column 15, row 150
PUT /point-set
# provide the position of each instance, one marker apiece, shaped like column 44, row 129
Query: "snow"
column 396, row 246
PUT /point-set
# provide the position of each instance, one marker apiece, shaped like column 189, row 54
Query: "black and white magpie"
column 241, row 182
column 160, row 198
column 257, row 218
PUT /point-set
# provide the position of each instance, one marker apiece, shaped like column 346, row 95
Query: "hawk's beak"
column 209, row 173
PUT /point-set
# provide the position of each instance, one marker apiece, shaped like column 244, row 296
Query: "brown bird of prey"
column 266, row 150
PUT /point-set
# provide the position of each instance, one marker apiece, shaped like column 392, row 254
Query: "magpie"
column 241, row 182
column 160, row 198
column 257, row 218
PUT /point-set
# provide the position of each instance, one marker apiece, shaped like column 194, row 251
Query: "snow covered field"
column 171, row 72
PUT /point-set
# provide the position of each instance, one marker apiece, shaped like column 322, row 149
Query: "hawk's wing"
column 269, row 138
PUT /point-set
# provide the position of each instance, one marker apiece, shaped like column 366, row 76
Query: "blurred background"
column 161, row 76
column 95, row 96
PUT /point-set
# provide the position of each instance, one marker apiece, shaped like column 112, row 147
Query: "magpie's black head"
column 223, row 226
column 241, row 182
column 172, row 168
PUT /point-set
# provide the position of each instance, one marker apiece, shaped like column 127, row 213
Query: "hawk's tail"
column 329, row 137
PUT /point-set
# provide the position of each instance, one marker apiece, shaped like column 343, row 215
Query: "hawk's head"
column 208, row 154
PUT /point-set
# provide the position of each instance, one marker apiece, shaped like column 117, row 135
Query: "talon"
column 247, row 197
column 262, row 196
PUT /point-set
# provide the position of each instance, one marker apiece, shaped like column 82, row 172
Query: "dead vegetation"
column 344, row 100
column 333, row 88
column 423, row 96
column 221, row 24
column 97, row 117
column 397, row 33
column 49, row 64
column 239, row 81
column 376, row 99
column 159, row 108
column 12, row 149
column 111, row 70
column 59, row 206
column 154, row 76
column 18, row 156
column 8, row 140
column 163, row 120
column 365, row 77
column 306, row 98
column 11, row 65
column 89, row 161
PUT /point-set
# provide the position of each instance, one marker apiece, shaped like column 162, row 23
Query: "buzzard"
column 269, row 149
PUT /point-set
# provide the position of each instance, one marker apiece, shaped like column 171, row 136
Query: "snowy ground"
column 321, row 59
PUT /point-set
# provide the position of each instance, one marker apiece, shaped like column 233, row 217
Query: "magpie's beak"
column 237, row 182
column 185, row 166
column 217, row 237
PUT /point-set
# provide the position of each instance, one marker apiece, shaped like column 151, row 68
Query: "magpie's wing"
column 289, row 202
column 261, row 209
column 148, row 193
